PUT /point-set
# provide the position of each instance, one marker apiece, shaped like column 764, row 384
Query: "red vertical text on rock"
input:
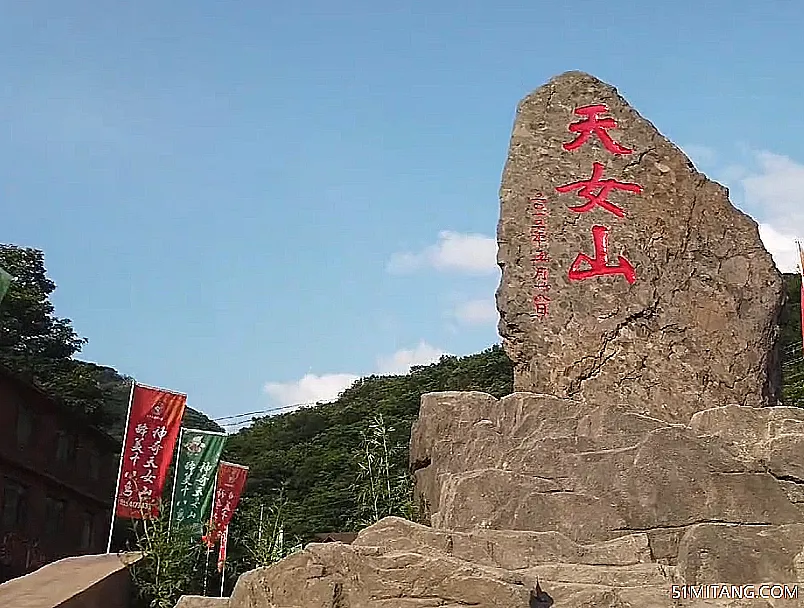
column 541, row 305
column 539, row 206
column 541, row 275
column 596, row 191
column 590, row 124
column 599, row 265
column 539, row 255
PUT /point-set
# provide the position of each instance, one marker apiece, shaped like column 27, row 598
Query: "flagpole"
column 206, row 570
column 259, row 533
column 209, row 531
column 175, row 479
column 207, row 432
column 120, row 466
column 223, row 576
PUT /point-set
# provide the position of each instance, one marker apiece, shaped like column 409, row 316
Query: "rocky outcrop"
column 537, row 501
column 674, row 310
column 399, row 564
column 535, row 462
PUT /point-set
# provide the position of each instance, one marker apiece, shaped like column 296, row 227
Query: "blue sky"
column 257, row 202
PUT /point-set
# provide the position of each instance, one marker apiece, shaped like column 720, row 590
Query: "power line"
column 274, row 410
column 236, row 422
column 268, row 411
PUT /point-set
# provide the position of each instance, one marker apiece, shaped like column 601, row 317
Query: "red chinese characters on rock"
column 599, row 126
column 540, row 256
column 596, row 191
column 599, row 265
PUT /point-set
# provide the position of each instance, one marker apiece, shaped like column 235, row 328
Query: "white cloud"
column 477, row 312
column 327, row 387
column 773, row 191
column 310, row 389
column 776, row 188
column 781, row 246
column 402, row 360
column 770, row 187
column 472, row 253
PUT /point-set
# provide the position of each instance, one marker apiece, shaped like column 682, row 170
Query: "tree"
column 29, row 330
column 791, row 343
column 37, row 344
column 315, row 454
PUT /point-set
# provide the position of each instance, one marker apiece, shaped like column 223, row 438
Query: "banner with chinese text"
column 154, row 421
column 196, row 464
column 222, row 549
column 230, row 484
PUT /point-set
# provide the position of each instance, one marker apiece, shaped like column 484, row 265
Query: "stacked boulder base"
column 717, row 500
column 598, row 505
column 649, row 451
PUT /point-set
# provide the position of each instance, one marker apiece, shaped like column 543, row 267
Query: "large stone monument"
column 644, row 455
column 627, row 275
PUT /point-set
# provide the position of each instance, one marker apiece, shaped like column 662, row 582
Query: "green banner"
column 5, row 283
column 196, row 467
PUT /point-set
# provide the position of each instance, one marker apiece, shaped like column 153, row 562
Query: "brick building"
column 57, row 477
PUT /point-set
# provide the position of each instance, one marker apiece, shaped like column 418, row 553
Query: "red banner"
column 222, row 549
column 231, row 480
column 153, row 426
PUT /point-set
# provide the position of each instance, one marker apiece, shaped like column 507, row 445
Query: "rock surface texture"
column 539, row 463
column 399, row 564
column 534, row 462
column 644, row 454
column 684, row 315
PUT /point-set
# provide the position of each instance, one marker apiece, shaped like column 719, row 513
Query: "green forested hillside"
column 311, row 453
column 791, row 343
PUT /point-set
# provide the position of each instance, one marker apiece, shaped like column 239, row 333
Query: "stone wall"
column 88, row 581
